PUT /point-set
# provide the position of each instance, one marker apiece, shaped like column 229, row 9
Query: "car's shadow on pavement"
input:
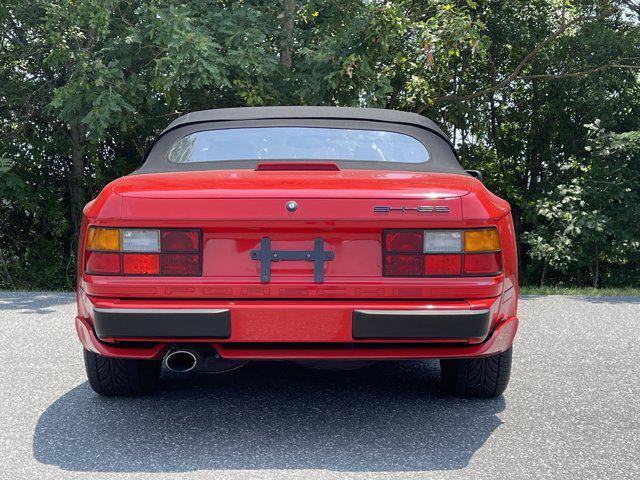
column 386, row 417
column 35, row 303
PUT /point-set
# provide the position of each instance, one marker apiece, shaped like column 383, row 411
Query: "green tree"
column 85, row 85
column 590, row 222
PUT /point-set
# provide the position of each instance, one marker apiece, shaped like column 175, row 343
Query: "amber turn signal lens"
column 485, row 240
column 106, row 239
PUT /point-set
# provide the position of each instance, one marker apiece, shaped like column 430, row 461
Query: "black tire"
column 115, row 377
column 477, row 377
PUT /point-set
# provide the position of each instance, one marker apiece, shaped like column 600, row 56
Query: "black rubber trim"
column 158, row 324
column 369, row 325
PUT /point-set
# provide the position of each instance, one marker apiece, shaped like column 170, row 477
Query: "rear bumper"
column 290, row 329
column 499, row 340
column 365, row 324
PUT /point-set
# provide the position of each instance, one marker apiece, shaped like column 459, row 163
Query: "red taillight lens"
column 403, row 241
column 442, row 265
column 140, row 263
column 100, row 263
column 143, row 251
column 403, row 265
column 483, row 263
column 180, row 241
column 441, row 252
column 180, row 264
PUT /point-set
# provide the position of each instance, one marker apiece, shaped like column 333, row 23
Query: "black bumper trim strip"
column 158, row 323
column 415, row 324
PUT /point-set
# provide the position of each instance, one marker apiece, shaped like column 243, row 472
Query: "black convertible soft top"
column 271, row 113
column 442, row 152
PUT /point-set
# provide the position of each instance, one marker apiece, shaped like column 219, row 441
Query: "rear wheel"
column 477, row 377
column 114, row 377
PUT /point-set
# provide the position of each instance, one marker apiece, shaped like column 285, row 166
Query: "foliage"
column 86, row 84
column 589, row 221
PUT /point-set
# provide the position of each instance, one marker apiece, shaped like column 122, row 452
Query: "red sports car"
column 297, row 233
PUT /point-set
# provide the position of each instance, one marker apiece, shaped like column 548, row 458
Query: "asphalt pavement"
column 572, row 409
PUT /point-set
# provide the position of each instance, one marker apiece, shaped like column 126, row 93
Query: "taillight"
column 143, row 251
column 102, row 263
column 403, row 265
column 403, row 241
column 140, row 263
column 483, row 264
column 180, row 264
column 180, row 240
column 441, row 253
column 104, row 239
column 436, row 265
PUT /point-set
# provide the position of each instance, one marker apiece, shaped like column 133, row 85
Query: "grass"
column 585, row 291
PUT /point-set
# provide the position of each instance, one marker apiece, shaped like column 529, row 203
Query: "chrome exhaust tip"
column 181, row 361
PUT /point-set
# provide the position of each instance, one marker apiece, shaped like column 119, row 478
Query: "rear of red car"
column 311, row 233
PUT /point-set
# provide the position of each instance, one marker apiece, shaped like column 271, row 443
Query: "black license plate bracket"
column 318, row 256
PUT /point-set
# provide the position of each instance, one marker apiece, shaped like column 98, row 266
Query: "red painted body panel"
column 306, row 184
column 236, row 208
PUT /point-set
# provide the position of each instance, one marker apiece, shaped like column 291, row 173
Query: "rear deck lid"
column 294, row 184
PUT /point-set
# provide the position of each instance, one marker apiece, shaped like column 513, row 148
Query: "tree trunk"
column 533, row 160
column 494, row 113
column 77, row 181
column 6, row 271
column 544, row 272
column 286, row 44
column 494, row 125
column 516, row 213
column 596, row 270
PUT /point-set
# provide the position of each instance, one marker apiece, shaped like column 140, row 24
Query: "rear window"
column 298, row 143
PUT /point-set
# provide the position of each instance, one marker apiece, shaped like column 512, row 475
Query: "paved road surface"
column 572, row 409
